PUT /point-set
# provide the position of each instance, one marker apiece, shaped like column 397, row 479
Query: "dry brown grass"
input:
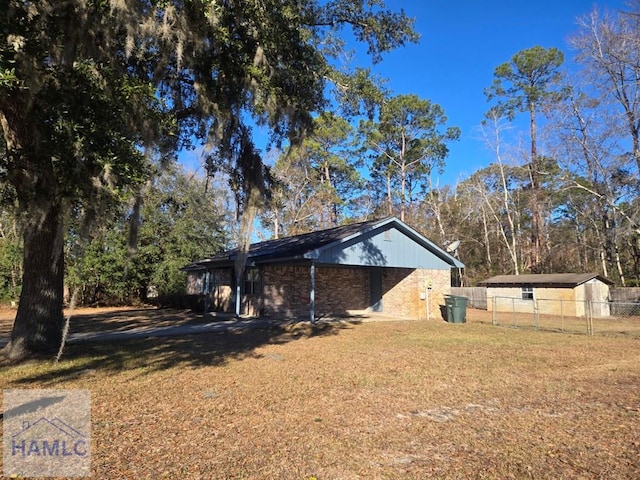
column 374, row 400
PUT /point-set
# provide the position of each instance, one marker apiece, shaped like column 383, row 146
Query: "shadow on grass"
column 151, row 354
column 124, row 320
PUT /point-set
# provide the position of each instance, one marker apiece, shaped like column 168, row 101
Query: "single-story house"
column 554, row 294
column 374, row 266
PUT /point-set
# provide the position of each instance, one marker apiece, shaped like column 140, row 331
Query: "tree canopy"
column 528, row 83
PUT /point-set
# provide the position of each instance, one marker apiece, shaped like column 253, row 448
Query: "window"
column 251, row 281
column 527, row 293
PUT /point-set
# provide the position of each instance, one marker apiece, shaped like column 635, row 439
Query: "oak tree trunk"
column 37, row 328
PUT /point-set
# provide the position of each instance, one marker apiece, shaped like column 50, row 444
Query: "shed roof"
column 544, row 280
column 328, row 246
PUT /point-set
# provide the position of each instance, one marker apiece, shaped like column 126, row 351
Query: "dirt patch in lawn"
column 351, row 400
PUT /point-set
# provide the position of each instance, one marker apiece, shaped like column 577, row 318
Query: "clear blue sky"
column 462, row 43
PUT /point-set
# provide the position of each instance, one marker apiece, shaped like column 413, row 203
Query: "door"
column 375, row 289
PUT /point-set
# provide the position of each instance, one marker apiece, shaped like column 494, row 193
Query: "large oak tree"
column 92, row 90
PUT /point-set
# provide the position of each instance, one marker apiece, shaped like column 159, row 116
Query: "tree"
column 408, row 143
column 526, row 84
column 66, row 117
column 318, row 180
column 182, row 219
column 502, row 208
column 87, row 86
column 589, row 141
column 609, row 50
column 10, row 256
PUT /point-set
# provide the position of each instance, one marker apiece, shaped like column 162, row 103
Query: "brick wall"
column 342, row 290
column 285, row 290
column 339, row 291
column 404, row 287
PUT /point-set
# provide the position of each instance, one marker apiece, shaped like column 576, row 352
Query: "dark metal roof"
column 544, row 280
column 302, row 247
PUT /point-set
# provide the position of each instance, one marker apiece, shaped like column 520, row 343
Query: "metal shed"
column 380, row 265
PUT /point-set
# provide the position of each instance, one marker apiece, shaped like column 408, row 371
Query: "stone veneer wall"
column 194, row 283
column 403, row 287
column 221, row 289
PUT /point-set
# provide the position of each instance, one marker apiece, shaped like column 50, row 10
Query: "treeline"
column 135, row 252
column 561, row 194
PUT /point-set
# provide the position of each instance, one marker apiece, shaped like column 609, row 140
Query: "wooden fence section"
column 476, row 296
column 625, row 294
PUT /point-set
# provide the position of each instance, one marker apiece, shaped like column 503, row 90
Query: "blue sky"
column 461, row 44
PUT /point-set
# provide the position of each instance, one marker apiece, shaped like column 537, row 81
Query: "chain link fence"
column 568, row 316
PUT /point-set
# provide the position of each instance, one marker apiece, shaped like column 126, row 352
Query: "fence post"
column 494, row 320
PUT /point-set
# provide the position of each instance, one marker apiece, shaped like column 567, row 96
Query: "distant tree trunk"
column 403, row 191
column 332, row 206
column 38, row 324
column 389, row 196
column 276, row 225
column 487, row 240
column 619, row 267
column 537, row 219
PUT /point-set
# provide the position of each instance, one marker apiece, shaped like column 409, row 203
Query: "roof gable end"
column 388, row 242
column 355, row 244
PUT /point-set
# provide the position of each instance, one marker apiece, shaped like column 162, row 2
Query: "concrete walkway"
column 219, row 325
column 176, row 330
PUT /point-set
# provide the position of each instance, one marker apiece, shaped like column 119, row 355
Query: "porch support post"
column 312, row 293
column 206, row 289
column 238, row 299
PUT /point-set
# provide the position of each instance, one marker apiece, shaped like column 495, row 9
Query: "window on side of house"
column 251, row 281
column 527, row 293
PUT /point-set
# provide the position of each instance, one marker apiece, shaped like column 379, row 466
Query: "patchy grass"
column 375, row 400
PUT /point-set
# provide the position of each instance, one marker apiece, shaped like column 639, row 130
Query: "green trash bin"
column 456, row 309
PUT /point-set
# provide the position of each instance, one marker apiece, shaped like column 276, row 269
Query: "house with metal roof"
column 375, row 266
column 570, row 294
